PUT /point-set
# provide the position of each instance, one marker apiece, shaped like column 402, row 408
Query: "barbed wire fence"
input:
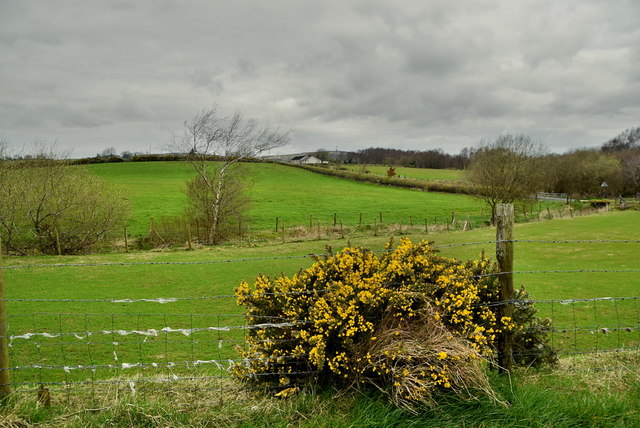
column 126, row 352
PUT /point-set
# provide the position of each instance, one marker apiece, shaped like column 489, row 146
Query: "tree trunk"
column 213, row 227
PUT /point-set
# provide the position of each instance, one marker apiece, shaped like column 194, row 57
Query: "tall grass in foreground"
column 563, row 398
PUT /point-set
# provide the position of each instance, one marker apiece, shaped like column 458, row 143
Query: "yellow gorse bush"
column 408, row 321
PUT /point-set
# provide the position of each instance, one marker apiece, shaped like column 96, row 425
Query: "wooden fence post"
column 126, row 240
column 276, row 224
column 5, row 378
column 504, row 255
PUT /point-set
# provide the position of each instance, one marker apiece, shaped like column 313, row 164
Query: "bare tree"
column 210, row 137
column 4, row 148
column 108, row 152
column 507, row 169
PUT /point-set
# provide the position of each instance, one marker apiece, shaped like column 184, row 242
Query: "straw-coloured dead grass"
column 421, row 354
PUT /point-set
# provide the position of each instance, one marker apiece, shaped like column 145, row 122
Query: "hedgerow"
column 408, row 321
column 411, row 183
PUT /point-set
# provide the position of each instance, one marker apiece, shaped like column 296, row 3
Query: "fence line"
column 579, row 326
column 303, row 256
column 592, row 338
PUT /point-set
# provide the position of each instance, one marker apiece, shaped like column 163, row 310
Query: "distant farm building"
column 306, row 160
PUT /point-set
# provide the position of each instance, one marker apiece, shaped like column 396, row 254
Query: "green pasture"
column 297, row 197
column 427, row 174
column 154, row 189
column 586, row 326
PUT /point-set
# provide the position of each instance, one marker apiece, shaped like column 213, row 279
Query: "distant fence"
column 140, row 345
column 177, row 231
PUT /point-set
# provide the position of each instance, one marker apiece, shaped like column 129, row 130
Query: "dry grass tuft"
column 423, row 359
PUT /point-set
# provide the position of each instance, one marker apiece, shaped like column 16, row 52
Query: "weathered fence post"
column 126, row 240
column 277, row 224
column 5, row 378
column 504, row 255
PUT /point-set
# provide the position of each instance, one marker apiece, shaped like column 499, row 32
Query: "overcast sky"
column 423, row 74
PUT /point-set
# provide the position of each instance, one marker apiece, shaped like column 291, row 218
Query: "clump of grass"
column 419, row 346
column 590, row 390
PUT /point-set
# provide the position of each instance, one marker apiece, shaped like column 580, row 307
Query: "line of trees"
column 578, row 172
column 514, row 167
column 436, row 159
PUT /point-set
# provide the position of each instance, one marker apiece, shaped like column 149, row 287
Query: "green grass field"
column 162, row 280
column 293, row 195
column 211, row 279
column 419, row 173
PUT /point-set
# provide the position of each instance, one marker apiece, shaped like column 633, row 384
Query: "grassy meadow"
column 166, row 278
column 295, row 196
column 419, row 173
column 578, row 393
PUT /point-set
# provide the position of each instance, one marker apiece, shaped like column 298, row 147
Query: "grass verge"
column 573, row 395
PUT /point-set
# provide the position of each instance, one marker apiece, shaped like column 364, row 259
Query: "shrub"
column 409, row 322
column 50, row 207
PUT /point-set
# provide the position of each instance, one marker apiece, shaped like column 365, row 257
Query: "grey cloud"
column 409, row 72
column 203, row 79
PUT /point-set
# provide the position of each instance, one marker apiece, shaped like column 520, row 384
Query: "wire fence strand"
column 72, row 351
